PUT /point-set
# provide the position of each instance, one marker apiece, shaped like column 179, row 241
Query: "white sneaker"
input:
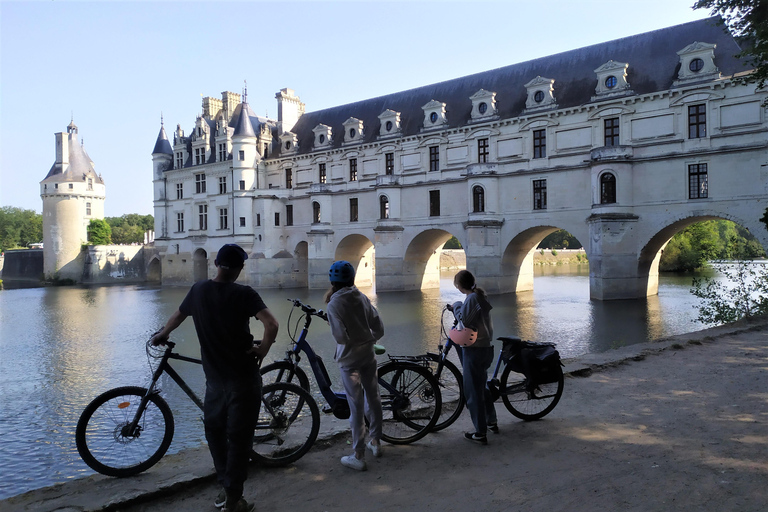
column 375, row 449
column 354, row 463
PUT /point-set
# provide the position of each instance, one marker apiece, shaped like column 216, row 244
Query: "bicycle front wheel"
column 110, row 445
column 410, row 402
column 526, row 401
column 289, row 421
column 284, row 371
column 451, row 390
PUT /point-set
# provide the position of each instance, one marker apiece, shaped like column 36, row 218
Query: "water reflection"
column 60, row 347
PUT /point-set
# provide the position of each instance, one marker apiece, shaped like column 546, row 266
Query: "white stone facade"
column 623, row 152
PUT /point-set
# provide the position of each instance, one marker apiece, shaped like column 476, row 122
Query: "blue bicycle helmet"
column 342, row 272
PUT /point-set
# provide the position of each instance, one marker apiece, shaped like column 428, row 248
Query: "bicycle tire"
column 529, row 404
column 284, row 371
column 451, row 384
column 410, row 400
column 107, row 449
column 288, row 424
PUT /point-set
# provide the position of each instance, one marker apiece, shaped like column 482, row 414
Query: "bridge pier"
column 614, row 271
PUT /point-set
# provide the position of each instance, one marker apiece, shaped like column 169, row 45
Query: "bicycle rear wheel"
column 529, row 402
column 410, row 401
column 451, row 390
column 105, row 440
column 284, row 371
column 289, row 421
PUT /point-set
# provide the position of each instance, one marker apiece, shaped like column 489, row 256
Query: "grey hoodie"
column 355, row 325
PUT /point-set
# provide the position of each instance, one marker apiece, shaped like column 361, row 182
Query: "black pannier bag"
column 539, row 362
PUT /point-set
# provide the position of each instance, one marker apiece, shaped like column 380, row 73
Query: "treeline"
column 19, row 228
column 699, row 243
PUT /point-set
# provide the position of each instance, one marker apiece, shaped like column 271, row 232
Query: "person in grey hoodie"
column 475, row 313
column 355, row 325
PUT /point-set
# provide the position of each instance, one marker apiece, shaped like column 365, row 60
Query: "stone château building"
column 622, row 144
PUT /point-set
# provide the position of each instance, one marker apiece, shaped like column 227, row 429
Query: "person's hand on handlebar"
column 159, row 339
column 449, row 307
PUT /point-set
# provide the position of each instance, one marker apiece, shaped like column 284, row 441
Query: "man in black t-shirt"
column 221, row 310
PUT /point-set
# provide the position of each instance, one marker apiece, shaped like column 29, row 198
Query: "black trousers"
column 230, row 412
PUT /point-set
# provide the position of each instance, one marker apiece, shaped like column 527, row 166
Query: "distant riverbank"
column 456, row 258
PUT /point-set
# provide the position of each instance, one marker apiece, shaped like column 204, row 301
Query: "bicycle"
column 529, row 387
column 127, row 430
column 410, row 394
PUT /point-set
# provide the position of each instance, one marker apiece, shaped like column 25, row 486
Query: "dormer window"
column 288, row 143
column 483, row 104
column 353, row 130
column 697, row 62
column 540, row 94
column 323, row 136
column 390, row 123
column 611, row 80
column 434, row 114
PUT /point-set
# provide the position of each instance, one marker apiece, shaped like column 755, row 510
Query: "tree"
column 130, row 228
column 748, row 20
column 743, row 294
column 560, row 239
column 19, row 227
column 699, row 243
column 99, row 232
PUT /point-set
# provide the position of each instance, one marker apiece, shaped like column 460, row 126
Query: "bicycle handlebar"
column 309, row 309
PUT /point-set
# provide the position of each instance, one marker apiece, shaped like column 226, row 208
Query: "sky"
column 116, row 67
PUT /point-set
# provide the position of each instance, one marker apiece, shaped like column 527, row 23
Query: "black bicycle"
column 530, row 385
column 127, row 430
column 410, row 394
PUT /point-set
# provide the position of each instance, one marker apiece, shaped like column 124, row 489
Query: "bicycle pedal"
column 328, row 409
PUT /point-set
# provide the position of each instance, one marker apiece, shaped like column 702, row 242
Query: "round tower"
column 72, row 195
column 162, row 160
column 245, row 161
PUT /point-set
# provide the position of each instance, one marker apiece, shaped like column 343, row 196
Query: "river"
column 62, row 346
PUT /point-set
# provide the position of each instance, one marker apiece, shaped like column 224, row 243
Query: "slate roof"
column 653, row 66
column 162, row 145
column 80, row 166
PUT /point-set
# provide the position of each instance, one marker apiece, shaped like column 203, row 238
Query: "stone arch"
column 359, row 251
column 155, row 270
column 421, row 262
column 650, row 255
column 199, row 265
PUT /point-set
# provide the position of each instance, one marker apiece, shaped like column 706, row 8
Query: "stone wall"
column 455, row 259
column 22, row 265
column 114, row 263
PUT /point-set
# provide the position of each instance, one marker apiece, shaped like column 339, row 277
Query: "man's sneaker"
column 221, row 499
column 354, row 463
column 493, row 427
column 475, row 437
column 241, row 506
column 375, row 449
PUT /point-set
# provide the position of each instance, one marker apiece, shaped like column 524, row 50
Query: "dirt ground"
column 680, row 429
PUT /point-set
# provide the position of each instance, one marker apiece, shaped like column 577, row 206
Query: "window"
column 697, row 121
column 277, row 218
column 179, row 160
column 482, row 150
column 222, row 152
column 71, row 186
column 353, row 169
column 434, row 203
column 610, row 82
column 698, row 184
column 539, row 143
column 200, row 183
column 434, row 158
column 88, row 209
column 241, row 155
column 179, row 191
column 289, row 215
column 611, row 131
column 242, row 222
column 539, row 194
column 258, row 219
column 696, row 65
column 202, row 213
column 607, row 188
column 199, row 156
column 538, row 96
column 478, row 199
column 289, row 178
column 353, row 209
column 315, row 212
column 323, row 177
column 389, row 163
column 222, row 184
column 180, row 222
column 266, row 151
column 90, row 183
column 383, row 207
column 242, row 184
column 223, row 221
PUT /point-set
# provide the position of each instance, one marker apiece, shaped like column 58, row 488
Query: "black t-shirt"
column 222, row 312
